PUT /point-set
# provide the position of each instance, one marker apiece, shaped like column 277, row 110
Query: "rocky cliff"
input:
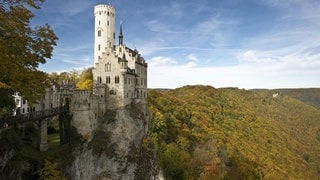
column 115, row 149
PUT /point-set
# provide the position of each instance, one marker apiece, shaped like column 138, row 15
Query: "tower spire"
column 120, row 35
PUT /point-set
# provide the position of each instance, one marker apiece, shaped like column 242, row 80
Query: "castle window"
column 23, row 101
column 116, row 80
column 99, row 33
column 99, row 47
column 99, row 22
column 22, row 110
column 108, row 23
column 17, row 101
column 108, row 67
column 108, row 79
column 99, row 80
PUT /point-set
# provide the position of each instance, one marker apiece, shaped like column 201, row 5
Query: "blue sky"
column 230, row 43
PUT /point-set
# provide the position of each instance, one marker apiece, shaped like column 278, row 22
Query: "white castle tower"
column 104, row 30
column 120, row 73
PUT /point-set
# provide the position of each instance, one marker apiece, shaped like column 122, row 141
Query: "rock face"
column 113, row 150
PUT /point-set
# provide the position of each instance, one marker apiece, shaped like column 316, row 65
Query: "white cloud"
column 161, row 61
column 192, row 57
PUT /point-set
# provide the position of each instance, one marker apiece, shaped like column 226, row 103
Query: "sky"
column 230, row 43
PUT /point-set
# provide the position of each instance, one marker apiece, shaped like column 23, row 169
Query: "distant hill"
column 207, row 133
column 310, row 95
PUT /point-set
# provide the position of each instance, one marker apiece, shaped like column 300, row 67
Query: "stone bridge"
column 40, row 117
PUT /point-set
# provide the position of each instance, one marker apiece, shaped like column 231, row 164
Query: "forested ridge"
column 200, row 132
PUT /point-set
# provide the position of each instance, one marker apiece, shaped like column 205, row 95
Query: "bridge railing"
column 33, row 116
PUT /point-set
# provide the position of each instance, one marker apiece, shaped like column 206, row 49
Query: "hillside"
column 309, row 95
column 208, row 133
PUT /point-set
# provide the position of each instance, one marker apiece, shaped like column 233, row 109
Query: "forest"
column 200, row 132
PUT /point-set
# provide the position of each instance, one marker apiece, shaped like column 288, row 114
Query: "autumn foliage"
column 201, row 132
column 23, row 48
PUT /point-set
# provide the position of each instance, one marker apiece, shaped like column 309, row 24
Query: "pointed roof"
column 120, row 33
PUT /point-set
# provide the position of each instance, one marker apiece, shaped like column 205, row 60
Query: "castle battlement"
column 104, row 9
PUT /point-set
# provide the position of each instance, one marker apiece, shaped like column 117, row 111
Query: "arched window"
column 116, row 79
column 108, row 67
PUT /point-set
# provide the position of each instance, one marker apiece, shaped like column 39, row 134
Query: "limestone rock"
column 113, row 151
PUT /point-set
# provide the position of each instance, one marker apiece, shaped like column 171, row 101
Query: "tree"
column 23, row 48
column 86, row 80
column 50, row 172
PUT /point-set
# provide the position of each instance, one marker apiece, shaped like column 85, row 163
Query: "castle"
column 119, row 76
column 119, row 73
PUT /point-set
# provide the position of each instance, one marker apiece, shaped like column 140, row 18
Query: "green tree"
column 23, row 48
column 6, row 102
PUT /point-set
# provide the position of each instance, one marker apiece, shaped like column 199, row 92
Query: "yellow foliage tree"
column 85, row 81
column 50, row 172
